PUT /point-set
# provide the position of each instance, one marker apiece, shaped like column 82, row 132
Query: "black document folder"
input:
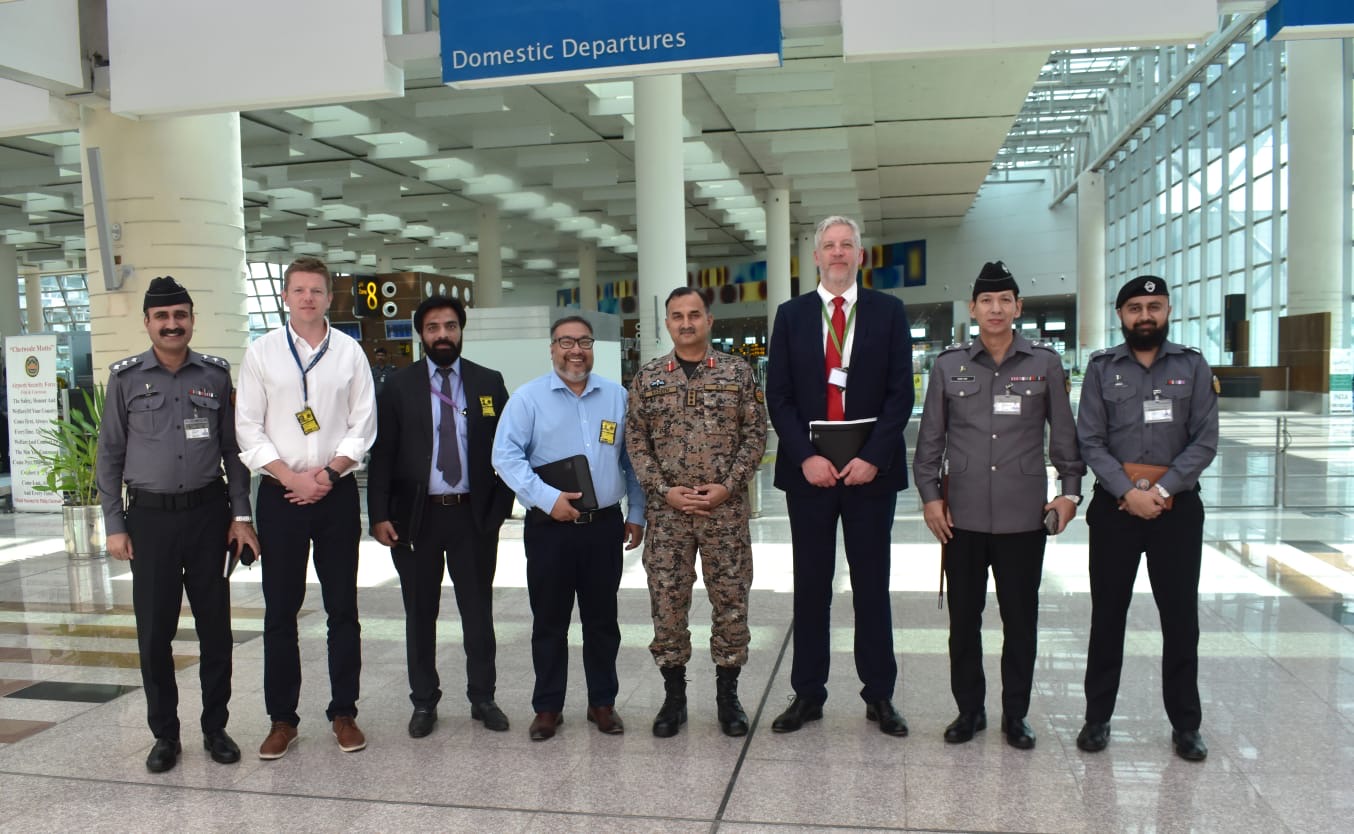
column 571, row 475
column 235, row 554
column 840, row 440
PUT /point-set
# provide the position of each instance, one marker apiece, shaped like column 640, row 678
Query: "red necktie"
column 835, row 411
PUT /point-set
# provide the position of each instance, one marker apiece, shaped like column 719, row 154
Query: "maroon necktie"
column 835, row 411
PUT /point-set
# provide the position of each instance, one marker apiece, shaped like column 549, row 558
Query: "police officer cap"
column 995, row 277
column 1142, row 285
column 165, row 292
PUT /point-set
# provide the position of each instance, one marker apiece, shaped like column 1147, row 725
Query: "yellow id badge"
column 306, row 417
column 608, row 435
column 487, row 406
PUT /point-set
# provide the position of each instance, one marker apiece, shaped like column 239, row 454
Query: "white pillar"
column 33, row 292
column 1316, row 143
column 489, row 277
column 587, row 275
column 777, row 253
column 174, row 188
column 1091, row 311
column 808, row 271
column 661, row 205
column 10, row 325
column 961, row 323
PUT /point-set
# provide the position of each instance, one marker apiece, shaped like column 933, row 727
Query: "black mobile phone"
column 247, row 555
column 1051, row 522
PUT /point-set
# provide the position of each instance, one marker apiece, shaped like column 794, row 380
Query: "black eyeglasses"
column 569, row 342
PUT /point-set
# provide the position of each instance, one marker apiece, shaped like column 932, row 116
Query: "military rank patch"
column 608, row 434
column 487, row 406
column 758, row 395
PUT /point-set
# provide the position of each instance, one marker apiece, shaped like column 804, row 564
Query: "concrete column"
column 174, row 189
column 777, row 253
column 661, row 205
column 1317, row 199
column 489, row 277
column 1091, row 310
column 33, row 292
column 961, row 323
column 587, row 275
column 808, row 271
column 10, row 324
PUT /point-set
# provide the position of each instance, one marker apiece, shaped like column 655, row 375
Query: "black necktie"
column 448, row 449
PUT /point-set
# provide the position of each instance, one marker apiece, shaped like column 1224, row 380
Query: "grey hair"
column 836, row 220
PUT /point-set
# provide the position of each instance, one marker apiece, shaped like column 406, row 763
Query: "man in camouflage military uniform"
column 987, row 406
column 695, row 432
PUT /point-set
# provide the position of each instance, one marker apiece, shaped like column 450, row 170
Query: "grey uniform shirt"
column 143, row 441
column 998, row 483
column 1112, row 427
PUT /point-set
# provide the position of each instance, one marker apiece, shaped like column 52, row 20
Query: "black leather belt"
column 538, row 516
column 179, row 501
column 450, row 499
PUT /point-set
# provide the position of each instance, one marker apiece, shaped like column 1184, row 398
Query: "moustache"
column 174, row 331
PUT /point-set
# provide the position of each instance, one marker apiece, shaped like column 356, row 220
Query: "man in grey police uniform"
column 1149, row 401
column 986, row 407
column 168, row 426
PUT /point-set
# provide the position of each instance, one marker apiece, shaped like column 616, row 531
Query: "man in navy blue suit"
column 841, row 353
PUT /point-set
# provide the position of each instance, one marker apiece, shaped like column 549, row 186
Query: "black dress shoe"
column 164, row 754
column 1094, row 736
column 223, row 748
column 488, row 713
column 799, row 711
column 890, row 720
column 962, row 728
column 543, row 726
column 1018, row 733
column 422, row 721
column 1189, row 745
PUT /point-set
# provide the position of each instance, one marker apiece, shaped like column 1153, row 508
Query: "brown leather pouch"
column 1146, row 475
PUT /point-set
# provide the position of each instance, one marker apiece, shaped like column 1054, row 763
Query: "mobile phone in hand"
column 1051, row 522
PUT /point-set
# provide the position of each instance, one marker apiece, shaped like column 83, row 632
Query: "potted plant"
column 68, row 451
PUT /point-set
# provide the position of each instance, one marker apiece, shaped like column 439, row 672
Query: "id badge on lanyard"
column 306, row 418
column 1156, row 410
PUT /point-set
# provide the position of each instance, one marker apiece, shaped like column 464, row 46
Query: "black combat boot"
column 732, row 720
column 672, row 715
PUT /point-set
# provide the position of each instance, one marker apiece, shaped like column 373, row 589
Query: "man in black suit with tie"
column 433, row 497
column 841, row 353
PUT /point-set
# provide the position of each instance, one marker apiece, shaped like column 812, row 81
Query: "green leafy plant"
column 69, row 450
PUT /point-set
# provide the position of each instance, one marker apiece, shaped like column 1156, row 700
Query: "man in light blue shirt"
column 570, row 553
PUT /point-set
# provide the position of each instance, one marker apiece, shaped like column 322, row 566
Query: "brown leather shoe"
column 607, row 720
column 350, row 739
column 280, row 739
column 543, row 726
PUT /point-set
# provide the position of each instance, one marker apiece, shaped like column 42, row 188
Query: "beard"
column 1145, row 338
column 442, row 352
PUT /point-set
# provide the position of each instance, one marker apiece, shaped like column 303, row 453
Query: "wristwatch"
column 333, row 473
column 1075, row 499
column 1161, row 490
column 244, row 519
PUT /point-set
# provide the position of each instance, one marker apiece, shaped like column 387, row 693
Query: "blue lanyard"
column 324, row 347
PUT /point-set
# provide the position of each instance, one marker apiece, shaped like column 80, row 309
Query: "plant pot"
column 83, row 527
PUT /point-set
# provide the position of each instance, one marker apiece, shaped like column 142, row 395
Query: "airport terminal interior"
column 1210, row 142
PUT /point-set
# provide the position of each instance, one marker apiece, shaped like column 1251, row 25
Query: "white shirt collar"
column 849, row 295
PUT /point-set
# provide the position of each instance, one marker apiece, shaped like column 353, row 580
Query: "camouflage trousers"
column 725, row 547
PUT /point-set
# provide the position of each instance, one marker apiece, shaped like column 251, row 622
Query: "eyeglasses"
column 569, row 342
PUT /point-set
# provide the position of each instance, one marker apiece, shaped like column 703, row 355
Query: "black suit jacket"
column 402, row 456
column 879, row 385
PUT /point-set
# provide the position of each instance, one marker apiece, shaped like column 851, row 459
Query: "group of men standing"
column 679, row 448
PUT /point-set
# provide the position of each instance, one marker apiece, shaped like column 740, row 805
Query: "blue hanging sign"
column 544, row 41
column 1300, row 19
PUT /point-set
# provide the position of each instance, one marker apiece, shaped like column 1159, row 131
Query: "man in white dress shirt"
column 305, row 418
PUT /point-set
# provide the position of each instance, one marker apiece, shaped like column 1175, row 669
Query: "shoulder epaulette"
column 123, row 364
column 1099, row 353
column 957, row 346
column 215, row 360
column 1048, row 346
column 1193, row 349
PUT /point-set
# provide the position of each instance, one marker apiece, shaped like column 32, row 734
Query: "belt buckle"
column 585, row 518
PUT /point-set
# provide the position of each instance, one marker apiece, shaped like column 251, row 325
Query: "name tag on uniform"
column 608, row 435
column 1006, row 404
column 306, row 418
column 1156, row 411
column 837, row 377
column 197, row 428
column 487, row 406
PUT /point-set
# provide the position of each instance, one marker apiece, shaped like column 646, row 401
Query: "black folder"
column 840, row 440
column 235, row 554
column 571, row 475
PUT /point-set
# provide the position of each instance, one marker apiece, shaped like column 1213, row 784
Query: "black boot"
column 732, row 720
column 672, row 715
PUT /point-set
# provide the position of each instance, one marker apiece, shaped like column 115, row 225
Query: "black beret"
column 1142, row 285
column 995, row 277
column 165, row 292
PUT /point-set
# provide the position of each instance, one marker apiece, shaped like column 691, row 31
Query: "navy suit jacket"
column 879, row 385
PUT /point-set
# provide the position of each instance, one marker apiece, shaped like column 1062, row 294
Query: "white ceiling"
column 901, row 145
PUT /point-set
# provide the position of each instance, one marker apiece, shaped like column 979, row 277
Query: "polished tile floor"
column 1277, row 679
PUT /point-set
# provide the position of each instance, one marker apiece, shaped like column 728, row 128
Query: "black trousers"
column 1017, row 562
column 173, row 552
column 565, row 561
column 286, row 533
column 448, row 537
column 1173, row 543
column 866, row 520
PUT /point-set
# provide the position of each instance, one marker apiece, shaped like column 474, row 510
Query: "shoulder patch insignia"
column 758, row 395
column 123, row 364
column 1067, row 383
column 215, row 360
column 1217, row 386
